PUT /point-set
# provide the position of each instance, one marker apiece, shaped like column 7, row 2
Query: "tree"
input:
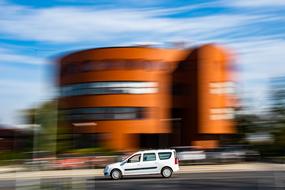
column 43, row 120
column 277, row 120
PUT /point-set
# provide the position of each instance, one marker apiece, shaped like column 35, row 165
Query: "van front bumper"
column 106, row 172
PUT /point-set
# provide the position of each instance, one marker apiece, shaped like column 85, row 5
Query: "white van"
column 162, row 162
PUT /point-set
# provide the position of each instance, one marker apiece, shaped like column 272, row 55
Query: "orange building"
column 125, row 98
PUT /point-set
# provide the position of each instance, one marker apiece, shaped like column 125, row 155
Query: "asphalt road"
column 209, row 181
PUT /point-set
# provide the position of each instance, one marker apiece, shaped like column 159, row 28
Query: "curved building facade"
column 130, row 97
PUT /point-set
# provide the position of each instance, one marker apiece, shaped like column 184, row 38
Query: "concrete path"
column 8, row 169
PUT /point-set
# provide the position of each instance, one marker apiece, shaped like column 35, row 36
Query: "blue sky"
column 32, row 32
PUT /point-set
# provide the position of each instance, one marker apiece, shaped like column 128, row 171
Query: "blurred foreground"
column 229, row 176
column 187, row 155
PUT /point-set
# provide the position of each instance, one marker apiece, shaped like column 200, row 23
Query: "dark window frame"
column 94, row 88
column 105, row 113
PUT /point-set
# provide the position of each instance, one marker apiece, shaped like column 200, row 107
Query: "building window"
column 222, row 87
column 105, row 113
column 97, row 88
column 221, row 113
column 87, row 140
column 99, row 65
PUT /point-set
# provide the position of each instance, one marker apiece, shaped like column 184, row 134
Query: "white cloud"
column 21, row 93
column 82, row 24
column 260, row 58
column 78, row 26
column 256, row 3
column 8, row 56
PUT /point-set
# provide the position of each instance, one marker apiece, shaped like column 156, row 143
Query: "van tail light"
column 176, row 160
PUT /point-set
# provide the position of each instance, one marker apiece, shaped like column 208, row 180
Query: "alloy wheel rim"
column 115, row 174
column 166, row 172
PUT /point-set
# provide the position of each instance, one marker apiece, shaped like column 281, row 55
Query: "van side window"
column 149, row 157
column 164, row 155
column 135, row 158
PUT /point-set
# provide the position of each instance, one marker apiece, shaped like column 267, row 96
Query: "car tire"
column 116, row 174
column 166, row 172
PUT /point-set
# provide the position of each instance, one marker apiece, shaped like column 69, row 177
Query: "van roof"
column 155, row 150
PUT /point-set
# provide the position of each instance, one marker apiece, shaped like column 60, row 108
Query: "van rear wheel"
column 166, row 172
column 116, row 174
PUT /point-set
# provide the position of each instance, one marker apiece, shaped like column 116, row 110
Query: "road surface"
column 258, row 180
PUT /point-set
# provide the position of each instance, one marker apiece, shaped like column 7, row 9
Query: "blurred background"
column 84, row 84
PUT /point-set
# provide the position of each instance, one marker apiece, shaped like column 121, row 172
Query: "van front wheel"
column 166, row 172
column 116, row 174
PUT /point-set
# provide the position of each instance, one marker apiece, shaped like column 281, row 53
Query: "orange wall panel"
column 212, row 61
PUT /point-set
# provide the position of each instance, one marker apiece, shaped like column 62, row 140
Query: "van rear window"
column 164, row 155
